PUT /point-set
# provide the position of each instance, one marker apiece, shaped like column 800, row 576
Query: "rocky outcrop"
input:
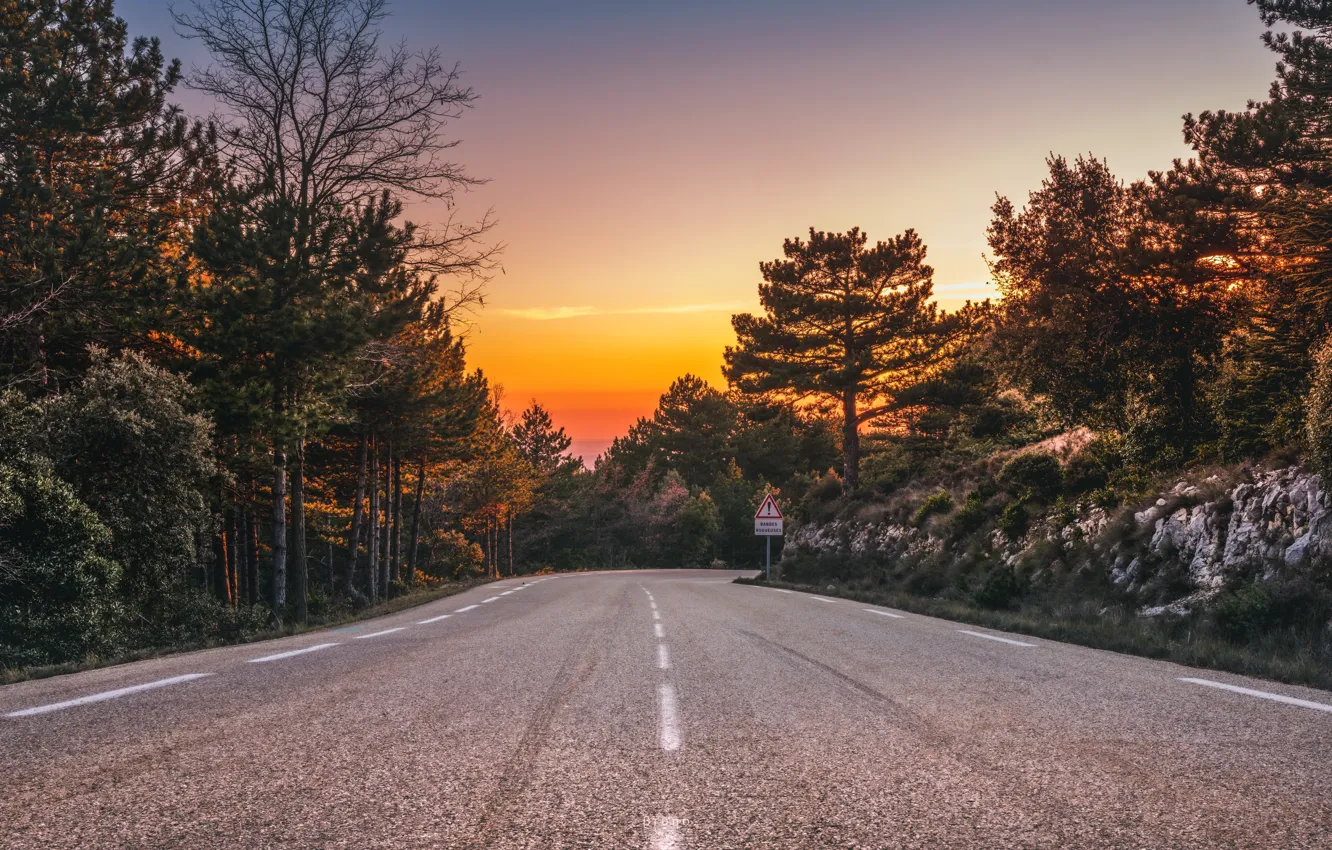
column 1262, row 524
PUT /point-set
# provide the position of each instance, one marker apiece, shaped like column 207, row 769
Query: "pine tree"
column 849, row 324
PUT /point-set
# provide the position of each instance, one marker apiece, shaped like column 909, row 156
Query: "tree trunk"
column 300, row 563
column 354, row 545
column 252, row 547
column 225, row 563
column 850, row 443
column 372, row 576
column 416, row 521
column 233, row 543
column 397, row 517
column 277, row 599
column 385, row 555
column 509, row 537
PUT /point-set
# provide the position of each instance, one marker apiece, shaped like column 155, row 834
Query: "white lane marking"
column 823, row 599
column 1302, row 703
column 669, row 733
column 885, row 613
column 468, row 608
column 995, row 638
column 434, row 619
column 656, row 615
column 377, row 634
column 281, row 655
column 506, row 593
column 656, row 628
column 664, row 833
column 652, row 605
column 491, row 599
column 106, row 695
column 663, row 657
column 779, row 590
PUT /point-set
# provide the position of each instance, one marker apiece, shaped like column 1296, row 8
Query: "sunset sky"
column 644, row 157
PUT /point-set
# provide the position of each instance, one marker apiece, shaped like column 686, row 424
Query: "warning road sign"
column 768, row 519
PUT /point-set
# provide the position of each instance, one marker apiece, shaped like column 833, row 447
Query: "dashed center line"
column 491, row 599
column 663, row 657
column 656, row 615
column 106, row 695
column 995, row 638
column 281, row 655
column 656, row 628
column 506, row 593
column 885, row 613
column 377, row 634
column 434, row 619
column 669, row 718
column 1282, row 698
column 468, row 608
column 664, row 833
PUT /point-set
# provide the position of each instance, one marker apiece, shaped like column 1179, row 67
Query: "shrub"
column 1013, row 521
column 971, row 516
column 999, row 590
column 937, row 503
column 1034, row 475
column 58, row 600
column 1318, row 411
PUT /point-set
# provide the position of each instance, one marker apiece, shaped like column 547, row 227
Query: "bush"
column 58, row 600
column 971, row 516
column 1318, row 411
column 1013, row 521
column 1033, row 475
column 999, row 590
column 938, row 503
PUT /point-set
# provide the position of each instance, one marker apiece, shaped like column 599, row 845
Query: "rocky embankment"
column 1253, row 525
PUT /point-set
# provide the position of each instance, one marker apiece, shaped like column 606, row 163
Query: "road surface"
column 655, row 710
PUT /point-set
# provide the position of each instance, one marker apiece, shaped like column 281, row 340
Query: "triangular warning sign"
column 768, row 510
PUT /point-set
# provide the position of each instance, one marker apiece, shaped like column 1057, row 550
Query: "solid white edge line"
column 886, row 613
column 669, row 732
column 434, row 619
column 779, row 590
column 468, row 608
column 656, row 628
column 377, row 634
column 106, row 695
column 664, row 833
column 1302, row 703
column 663, row 657
column 281, row 655
column 995, row 638
column 824, row 599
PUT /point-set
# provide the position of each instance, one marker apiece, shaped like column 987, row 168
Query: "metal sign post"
column 768, row 524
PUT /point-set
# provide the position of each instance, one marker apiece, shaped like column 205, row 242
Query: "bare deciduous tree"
column 321, row 118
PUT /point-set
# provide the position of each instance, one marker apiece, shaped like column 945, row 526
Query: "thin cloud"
column 546, row 314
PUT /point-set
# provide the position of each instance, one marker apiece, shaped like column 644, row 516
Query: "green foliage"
column 58, row 590
column 1032, row 475
column 1014, row 519
column 1000, row 589
column 131, row 442
column 936, row 503
column 1318, row 412
column 971, row 517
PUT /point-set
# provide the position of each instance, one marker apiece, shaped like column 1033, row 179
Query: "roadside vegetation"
column 236, row 396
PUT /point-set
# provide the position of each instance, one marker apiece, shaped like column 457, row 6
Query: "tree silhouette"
column 849, row 324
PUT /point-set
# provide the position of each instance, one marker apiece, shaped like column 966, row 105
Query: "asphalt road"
column 661, row 710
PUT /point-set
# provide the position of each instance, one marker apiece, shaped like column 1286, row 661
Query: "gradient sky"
column 644, row 157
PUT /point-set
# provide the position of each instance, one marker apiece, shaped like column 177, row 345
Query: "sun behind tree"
column 846, row 323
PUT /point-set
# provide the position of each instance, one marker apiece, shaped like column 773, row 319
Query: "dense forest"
column 236, row 394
